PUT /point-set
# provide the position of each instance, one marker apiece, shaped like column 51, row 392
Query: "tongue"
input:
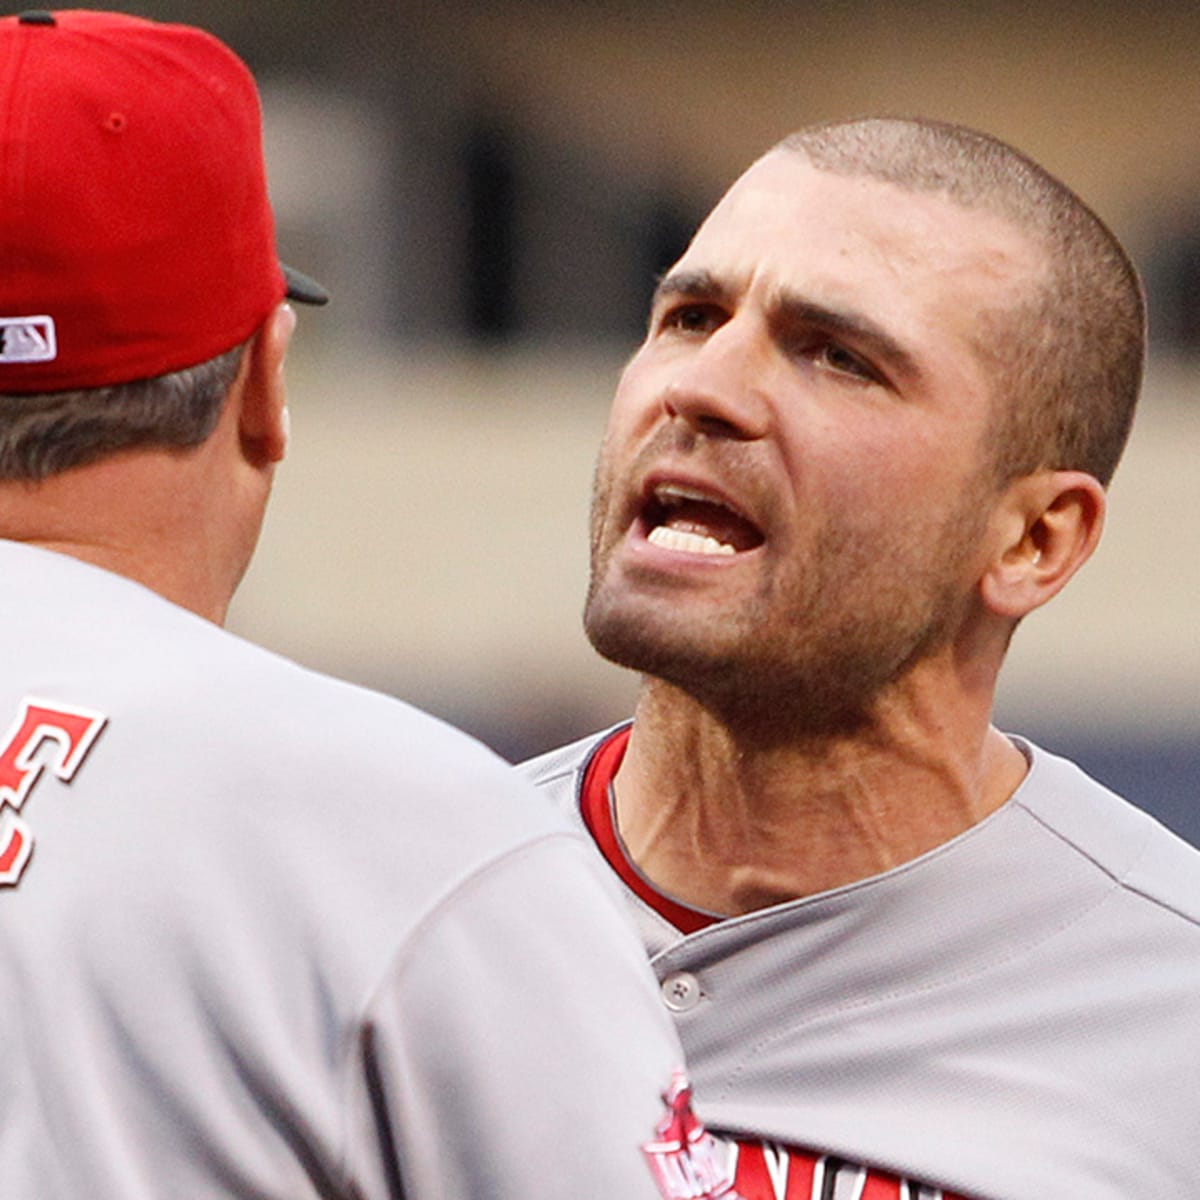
column 711, row 520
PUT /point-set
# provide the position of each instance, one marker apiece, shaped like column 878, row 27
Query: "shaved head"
column 1067, row 361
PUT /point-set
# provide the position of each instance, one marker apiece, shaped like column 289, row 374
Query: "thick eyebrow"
column 857, row 328
column 696, row 285
column 791, row 309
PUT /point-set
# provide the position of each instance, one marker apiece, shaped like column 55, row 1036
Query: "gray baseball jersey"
column 1015, row 1015
column 264, row 934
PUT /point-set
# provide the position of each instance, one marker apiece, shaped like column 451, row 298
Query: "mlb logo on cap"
column 27, row 340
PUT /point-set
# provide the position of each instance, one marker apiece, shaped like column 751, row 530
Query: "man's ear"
column 263, row 423
column 1048, row 524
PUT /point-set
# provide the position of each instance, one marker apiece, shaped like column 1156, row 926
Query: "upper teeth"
column 674, row 493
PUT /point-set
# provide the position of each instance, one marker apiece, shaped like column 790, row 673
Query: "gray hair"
column 41, row 435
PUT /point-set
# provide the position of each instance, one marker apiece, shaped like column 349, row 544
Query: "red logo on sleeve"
column 45, row 734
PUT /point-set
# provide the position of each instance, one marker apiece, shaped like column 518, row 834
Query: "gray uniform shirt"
column 1015, row 1015
column 267, row 935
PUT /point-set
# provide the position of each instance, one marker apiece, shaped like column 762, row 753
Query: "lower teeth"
column 690, row 543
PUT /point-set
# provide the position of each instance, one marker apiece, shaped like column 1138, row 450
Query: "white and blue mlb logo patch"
column 27, row 340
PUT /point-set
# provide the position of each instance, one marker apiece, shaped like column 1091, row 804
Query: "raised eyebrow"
column 855, row 327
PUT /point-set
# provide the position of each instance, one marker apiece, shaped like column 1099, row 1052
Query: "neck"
column 731, row 821
column 154, row 516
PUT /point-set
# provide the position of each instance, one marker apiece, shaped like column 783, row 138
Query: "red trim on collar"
column 596, row 806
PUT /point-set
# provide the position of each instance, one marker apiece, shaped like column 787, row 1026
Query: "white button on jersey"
column 681, row 991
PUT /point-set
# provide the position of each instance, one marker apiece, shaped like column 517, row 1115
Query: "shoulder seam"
column 1120, row 879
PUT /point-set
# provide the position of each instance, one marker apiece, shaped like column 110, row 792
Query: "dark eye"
column 836, row 358
column 839, row 359
column 693, row 318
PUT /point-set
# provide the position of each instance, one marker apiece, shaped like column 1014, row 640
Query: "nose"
column 720, row 388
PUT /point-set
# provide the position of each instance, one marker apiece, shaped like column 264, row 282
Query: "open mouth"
column 692, row 522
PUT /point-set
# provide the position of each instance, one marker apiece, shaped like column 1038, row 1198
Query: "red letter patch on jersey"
column 44, row 734
column 773, row 1172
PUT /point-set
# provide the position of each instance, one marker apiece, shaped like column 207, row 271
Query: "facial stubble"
column 814, row 649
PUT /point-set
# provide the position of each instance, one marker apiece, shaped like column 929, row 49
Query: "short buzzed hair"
column 1067, row 361
column 43, row 435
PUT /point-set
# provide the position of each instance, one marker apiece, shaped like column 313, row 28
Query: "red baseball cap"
column 136, row 235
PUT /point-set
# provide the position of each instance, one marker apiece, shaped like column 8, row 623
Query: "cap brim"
column 302, row 288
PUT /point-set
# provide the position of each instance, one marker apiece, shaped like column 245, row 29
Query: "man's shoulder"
column 557, row 772
column 561, row 762
column 340, row 735
column 1139, row 853
column 168, row 679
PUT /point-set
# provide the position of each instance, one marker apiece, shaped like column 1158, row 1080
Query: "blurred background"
column 489, row 191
